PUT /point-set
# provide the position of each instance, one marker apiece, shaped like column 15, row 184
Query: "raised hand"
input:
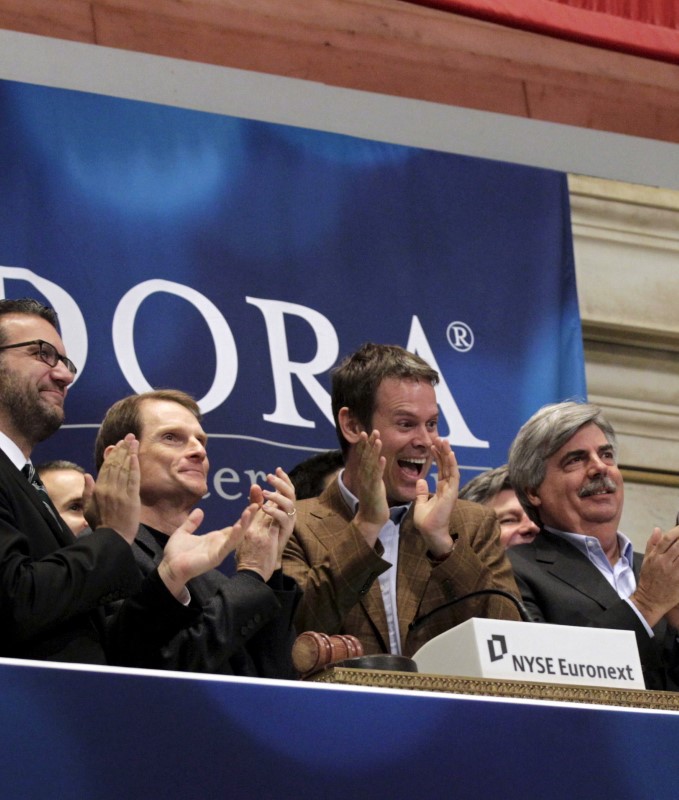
column 279, row 505
column 258, row 550
column 373, row 508
column 657, row 592
column 432, row 514
column 187, row 556
column 114, row 498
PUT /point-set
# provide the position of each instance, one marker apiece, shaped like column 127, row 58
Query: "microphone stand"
column 523, row 612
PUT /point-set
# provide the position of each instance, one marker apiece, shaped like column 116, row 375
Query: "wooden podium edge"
column 490, row 687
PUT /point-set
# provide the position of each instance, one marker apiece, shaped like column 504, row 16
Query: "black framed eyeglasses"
column 46, row 352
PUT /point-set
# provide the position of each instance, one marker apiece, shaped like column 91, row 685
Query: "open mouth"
column 412, row 466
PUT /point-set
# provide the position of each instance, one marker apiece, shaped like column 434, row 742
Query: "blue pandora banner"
column 239, row 260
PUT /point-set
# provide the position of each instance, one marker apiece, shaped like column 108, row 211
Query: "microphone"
column 523, row 612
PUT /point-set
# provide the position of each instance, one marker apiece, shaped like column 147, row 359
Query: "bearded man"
column 54, row 587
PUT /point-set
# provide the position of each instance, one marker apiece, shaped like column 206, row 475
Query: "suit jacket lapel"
column 149, row 552
column 61, row 531
column 335, row 514
column 413, row 573
column 413, row 569
column 569, row 565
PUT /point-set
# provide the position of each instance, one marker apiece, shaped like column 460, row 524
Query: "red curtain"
column 643, row 27
column 653, row 12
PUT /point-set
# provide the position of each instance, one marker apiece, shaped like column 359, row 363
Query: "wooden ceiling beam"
column 386, row 46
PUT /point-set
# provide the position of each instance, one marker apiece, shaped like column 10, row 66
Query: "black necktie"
column 28, row 471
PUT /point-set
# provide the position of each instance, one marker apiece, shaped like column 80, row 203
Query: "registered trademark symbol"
column 460, row 337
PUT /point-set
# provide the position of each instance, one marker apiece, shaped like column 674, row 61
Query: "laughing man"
column 377, row 550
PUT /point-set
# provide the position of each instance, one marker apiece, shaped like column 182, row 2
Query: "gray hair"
column 484, row 487
column 357, row 378
column 546, row 432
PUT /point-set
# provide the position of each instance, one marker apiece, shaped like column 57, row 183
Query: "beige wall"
column 386, row 46
column 626, row 240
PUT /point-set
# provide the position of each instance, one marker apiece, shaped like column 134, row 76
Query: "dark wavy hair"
column 26, row 305
column 356, row 379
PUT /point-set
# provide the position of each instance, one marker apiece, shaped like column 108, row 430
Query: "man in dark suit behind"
column 52, row 586
column 580, row 569
column 240, row 624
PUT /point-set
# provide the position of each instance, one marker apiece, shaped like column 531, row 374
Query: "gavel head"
column 312, row 651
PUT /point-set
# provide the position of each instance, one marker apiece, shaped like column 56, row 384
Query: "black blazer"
column 52, row 585
column 560, row 585
column 235, row 625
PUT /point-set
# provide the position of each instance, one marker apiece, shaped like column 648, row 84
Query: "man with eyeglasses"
column 46, row 352
column 53, row 586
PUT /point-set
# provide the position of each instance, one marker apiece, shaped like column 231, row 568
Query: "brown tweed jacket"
column 337, row 571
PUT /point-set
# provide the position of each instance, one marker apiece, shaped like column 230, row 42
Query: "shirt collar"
column 580, row 541
column 12, row 451
column 396, row 513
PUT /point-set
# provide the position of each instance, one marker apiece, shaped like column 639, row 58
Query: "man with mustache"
column 580, row 569
column 377, row 551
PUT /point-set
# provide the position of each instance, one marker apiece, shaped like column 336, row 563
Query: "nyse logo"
column 497, row 650
column 497, row 647
column 275, row 316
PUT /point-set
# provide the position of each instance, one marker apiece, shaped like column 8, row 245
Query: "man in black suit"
column 240, row 624
column 580, row 569
column 52, row 586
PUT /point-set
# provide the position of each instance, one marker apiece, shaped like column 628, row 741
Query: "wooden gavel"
column 312, row 650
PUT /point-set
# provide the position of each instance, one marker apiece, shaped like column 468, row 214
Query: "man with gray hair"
column 581, row 570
